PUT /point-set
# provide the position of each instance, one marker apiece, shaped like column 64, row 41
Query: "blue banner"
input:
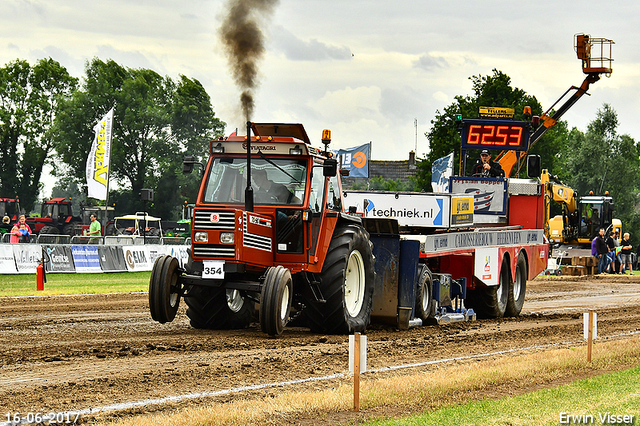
column 86, row 258
column 356, row 160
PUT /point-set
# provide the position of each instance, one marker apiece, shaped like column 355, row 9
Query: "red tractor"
column 269, row 228
column 56, row 218
column 10, row 207
column 9, row 213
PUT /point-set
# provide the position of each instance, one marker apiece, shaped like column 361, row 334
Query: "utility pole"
column 415, row 124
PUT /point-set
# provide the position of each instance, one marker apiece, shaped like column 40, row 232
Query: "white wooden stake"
column 590, row 336
column 356, row 372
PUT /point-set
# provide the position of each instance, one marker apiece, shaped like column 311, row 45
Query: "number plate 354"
column 213, row 269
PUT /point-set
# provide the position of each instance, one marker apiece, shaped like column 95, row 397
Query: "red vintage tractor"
column 268, row 227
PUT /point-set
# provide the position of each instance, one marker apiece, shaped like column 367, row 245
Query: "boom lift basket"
column 586, row 47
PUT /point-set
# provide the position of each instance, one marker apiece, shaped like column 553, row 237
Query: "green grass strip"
column 122, row 282
column 588, row 401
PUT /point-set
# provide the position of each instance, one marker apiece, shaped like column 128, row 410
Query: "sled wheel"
column 275, row 301
column 164, row 289
column 517, row 289
column 346, row 283
column 424, row 290
column 491, row 302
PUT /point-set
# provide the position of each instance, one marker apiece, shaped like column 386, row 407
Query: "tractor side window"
column 47, row 210
column 334, row 202
column 317, row 189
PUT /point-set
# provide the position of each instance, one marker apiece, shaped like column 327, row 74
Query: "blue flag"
column 356, row 160
column 441, row 171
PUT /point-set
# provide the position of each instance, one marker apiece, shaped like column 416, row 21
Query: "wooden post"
column 590, row 335
column 356, row 372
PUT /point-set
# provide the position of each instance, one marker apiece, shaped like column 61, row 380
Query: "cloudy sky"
column 365, row 69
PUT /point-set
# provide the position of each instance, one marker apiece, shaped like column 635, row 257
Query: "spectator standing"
column 94, row 229
column 625, row 254
column 21, row 231
column 611, row 246
column 601, row 251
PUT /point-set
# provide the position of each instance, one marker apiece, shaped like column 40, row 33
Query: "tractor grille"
column 202, row 220
column 255, row 241
column 214, row 250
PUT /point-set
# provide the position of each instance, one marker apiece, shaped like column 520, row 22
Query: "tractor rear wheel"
column 275, row 303
column 69, row 229
column 49, row 230
column 346, row 283
column 164, row 289
column 218, row 308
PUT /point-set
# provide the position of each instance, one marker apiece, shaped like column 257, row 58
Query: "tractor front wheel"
column 276, row 299
column 164, row 289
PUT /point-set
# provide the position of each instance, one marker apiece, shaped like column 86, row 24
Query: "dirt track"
column 76, row 352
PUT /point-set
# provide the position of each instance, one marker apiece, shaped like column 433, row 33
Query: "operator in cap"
column 271, row 192
column 486, row 167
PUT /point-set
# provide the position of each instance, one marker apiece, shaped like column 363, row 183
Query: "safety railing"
column 120, row 240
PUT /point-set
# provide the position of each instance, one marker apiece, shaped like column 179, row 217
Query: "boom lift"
column 596, row 57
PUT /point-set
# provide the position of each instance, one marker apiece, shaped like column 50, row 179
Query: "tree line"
column 47, row 117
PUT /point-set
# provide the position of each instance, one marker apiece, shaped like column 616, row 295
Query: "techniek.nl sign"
column 408, row 209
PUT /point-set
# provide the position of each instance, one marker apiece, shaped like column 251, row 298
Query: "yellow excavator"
column 581, row 216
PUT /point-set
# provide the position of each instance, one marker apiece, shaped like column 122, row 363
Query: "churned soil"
column 70, row 353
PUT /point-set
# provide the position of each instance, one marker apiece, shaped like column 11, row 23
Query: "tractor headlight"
column 227, row 237
column 201, row 237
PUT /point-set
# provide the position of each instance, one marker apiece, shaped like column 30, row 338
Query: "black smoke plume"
column 244, row 44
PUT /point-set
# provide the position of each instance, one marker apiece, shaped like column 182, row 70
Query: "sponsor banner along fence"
column 66, row 258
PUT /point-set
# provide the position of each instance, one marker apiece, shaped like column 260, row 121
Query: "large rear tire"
column 164, row 289
column 218, row 308
column 49, row 230
column 69, row 229
column 275, row 303
column 346, row 283
column 424, row 297
column 517, row 289
column 491, row 302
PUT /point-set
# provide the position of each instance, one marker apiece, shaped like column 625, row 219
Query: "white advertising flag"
column 441, row 171
column 98, row 160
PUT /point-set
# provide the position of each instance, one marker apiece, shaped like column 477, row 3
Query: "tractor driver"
column 270, row 191
column 487, row 168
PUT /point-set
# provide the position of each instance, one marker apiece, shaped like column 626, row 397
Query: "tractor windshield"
column 275, row 181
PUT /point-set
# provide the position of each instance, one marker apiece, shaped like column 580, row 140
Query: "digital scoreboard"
column 495, row 134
